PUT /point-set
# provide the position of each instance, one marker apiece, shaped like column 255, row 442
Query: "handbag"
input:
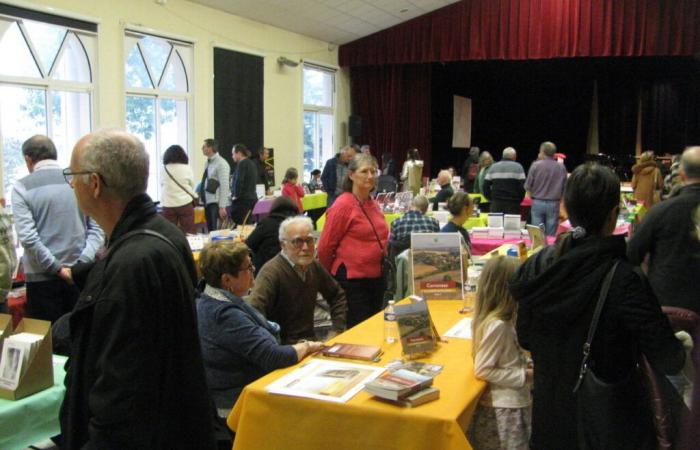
column 388, row 265
column 610, row 415
column 212, row 185
column 194, row 199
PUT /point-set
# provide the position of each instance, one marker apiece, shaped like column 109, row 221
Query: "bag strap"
column 376, row 235
column 594, row 324
column 178, row 183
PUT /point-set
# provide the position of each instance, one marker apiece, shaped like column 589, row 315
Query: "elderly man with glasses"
column 287, row 286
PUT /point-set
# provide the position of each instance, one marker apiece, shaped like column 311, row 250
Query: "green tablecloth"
column 481, row 198
column 316, row 200
column 472, row 222
column 35, row 418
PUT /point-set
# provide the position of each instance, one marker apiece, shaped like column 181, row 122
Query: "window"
column 158, row 96
column 319, row 114
column 46, row 87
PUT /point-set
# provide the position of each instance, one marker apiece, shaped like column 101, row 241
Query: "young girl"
column 502, row 418
column 291, row 189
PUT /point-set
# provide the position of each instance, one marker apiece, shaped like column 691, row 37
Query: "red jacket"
column 348, row 239
column 295, row 192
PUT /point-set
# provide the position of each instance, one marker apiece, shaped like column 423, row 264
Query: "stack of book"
column 480, row 232
column 404, row 387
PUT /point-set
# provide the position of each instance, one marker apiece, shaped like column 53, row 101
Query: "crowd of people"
column 138, row 325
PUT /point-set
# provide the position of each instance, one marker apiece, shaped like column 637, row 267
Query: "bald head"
column 444, row 177
column 509, row 153
column 690, row 165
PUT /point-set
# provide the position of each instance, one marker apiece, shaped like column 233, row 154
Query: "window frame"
column 318, row 110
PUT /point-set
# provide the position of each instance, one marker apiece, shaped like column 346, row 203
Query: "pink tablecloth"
column 481, row 246
column 622, row 230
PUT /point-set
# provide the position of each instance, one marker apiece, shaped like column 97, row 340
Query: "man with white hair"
column 504, row 184
column 414, row 221
column 287, row 285
column 545, row 183
column 444, row 179
column 135, row 375
column 667, row 235
column 334, row 172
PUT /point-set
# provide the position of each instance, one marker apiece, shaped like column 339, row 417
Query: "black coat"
column 135, row 377
column 264, row 240
column 556, row 297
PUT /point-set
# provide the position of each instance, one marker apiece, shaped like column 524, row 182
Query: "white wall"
column 207, row 28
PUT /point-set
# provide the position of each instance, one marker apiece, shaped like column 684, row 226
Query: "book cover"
column 352, row 351
column 415, row 328
column 437, row 267
column 418, row 398
column 398, row 384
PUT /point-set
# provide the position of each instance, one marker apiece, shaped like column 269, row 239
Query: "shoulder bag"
column 388, row 265
column 610, row 415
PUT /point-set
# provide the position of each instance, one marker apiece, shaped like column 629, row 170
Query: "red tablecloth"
column 481, row 246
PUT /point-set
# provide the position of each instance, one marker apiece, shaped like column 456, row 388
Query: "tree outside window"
column 319, row 114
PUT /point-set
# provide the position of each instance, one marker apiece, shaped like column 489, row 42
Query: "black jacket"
column 135, row 377
column 245, row 176
column 264, row 241
column 443, row 195
column 329, row 177
column 667, row 234
column 556, row 297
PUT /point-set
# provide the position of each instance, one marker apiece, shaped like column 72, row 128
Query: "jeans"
column 546, row 212
column 211, row 214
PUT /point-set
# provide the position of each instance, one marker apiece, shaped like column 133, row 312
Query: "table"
column 481, row 246
column 265, row 421
column 317, row 200
column 472, row 222
column 35, row 418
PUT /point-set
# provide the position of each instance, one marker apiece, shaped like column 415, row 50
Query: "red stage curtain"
column 394, row 103
column 534, row 29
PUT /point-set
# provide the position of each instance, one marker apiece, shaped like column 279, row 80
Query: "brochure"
column 461, row 330
column 437, row 267
column 332, row 381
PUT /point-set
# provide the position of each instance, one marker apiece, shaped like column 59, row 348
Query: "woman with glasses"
column 354, row 240
column 238, row 344
column 264, row 240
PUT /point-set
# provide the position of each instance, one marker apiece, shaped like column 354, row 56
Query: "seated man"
column 444, row 179
column 286, row 287
column 414, row 221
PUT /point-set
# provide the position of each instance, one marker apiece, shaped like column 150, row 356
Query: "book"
column 437, row 266
column 398, row 384
column 352, row 351
column 418, row 398
column 418, row 367
column 415, row 328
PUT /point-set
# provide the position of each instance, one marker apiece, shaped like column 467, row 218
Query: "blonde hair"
column 493, row 300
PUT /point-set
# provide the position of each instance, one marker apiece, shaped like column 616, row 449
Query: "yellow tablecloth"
column 314, row 201
column 481, row 221
column 265, row 421
column 481, row 198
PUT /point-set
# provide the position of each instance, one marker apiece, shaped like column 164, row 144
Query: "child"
column 502, row 417
column 291, row 189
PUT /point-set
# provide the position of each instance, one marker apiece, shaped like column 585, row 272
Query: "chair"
column 404, row 283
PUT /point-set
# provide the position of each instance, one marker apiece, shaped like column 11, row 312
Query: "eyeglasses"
column 250, row 268
column 298, row 243
column 68, row 175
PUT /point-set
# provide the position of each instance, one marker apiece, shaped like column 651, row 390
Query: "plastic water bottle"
column 391, row 328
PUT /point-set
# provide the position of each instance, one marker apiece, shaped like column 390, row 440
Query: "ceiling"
column 334, row 21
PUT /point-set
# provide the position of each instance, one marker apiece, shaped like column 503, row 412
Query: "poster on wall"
column 268, row 160
column 462, row 122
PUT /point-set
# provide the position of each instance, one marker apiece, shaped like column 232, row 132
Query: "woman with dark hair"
column 238, row 344
column 461, row 207
column 354, row 240
column 388, row 165
column 258, row 157
column 292, row 189
column 557, row 290
column 177, row 189
column 412, row 172
column 264, row 240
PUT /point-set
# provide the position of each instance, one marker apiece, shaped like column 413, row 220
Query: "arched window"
column 158, row 95
column 46, row 85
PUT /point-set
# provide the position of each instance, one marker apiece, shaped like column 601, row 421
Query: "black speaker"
column 354, row 126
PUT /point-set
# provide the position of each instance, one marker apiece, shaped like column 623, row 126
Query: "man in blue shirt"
column 545, row 183
column 54, row 233
column 414, row 221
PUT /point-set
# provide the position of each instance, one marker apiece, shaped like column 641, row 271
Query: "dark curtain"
column 534, row 29
column 516, row 104
column 618, row 109
column 238, row 100
column 394, row 104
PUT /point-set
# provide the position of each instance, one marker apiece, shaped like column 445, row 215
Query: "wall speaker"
column 355, row 126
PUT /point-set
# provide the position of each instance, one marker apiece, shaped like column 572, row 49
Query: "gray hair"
column 357, row 161
column 690, row 162
column 509, row 153
column 420, row 202
column 121, row 160
column 286, row 223
column 548, row 148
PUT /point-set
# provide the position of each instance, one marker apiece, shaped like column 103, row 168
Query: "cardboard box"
column 39, row 373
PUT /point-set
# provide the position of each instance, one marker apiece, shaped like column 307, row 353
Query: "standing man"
column 54, row 233
column 504, row 184
column 214, row 188
column 334, row 173
column 668, row 235
column 545, row 184
column 366, row 149
column 243, row 192
column 287, row 285
column 135, row 375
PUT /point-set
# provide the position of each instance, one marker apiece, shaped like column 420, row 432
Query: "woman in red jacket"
column 292, row 189
column 354, row 240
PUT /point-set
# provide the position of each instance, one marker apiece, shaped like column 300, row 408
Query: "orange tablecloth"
column 267, row 421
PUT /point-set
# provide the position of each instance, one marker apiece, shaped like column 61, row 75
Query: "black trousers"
column 240, row 208
column 365, row 296
column 505, row 206
column 211, row 214
column 49, row 300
